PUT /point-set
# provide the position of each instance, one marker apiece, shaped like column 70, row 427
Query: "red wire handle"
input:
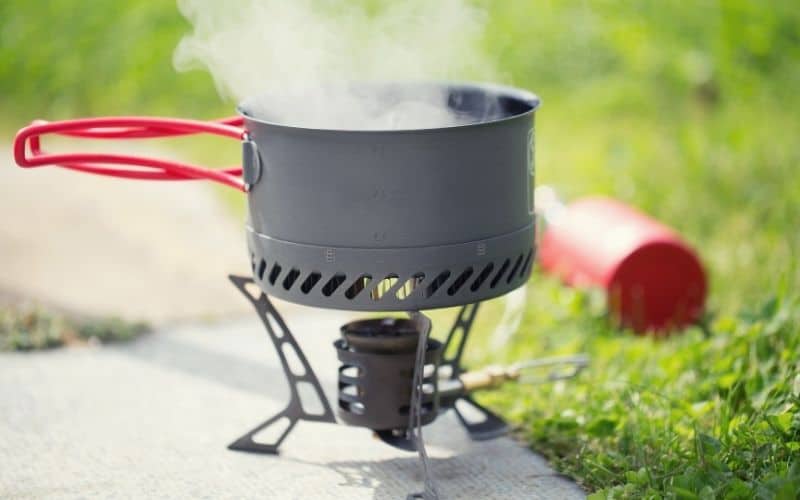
column 127, row 127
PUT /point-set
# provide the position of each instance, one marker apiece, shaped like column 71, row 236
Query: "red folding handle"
column 127, row 127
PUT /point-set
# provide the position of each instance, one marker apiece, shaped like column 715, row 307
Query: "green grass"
column 710, row 413
column 688, row 110
column 32, row 328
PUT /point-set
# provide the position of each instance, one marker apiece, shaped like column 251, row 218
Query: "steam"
column 295, row 61
column 513, row 309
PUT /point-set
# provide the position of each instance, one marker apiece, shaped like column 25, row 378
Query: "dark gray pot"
column 395, row 219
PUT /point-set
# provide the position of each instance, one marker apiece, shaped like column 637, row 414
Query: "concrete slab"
column 155, row 251
column 152, row 419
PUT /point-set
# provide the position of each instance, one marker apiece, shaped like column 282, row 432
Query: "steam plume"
column 301, row 55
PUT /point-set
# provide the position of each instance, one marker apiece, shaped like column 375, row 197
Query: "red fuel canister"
column 653, row 279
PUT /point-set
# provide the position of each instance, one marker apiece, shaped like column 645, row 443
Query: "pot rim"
column 523, row 96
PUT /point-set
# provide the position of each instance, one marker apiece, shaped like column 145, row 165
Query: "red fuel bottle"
column 653, row 279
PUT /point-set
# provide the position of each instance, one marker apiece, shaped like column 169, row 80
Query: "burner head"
column 376, row 375
column 395, row 220
column 381, row 335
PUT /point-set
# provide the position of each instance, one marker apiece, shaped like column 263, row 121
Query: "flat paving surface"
column 152, row 419
column 155, row 251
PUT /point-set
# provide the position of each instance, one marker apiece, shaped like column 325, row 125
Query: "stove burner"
column 376, row 376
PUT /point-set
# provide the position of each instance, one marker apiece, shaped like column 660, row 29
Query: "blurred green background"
column 688, row 110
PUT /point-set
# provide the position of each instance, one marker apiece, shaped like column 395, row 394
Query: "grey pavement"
column 156, row 251
column 152, row 419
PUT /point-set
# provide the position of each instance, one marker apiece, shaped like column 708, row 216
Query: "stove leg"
column 458, row 338
column 282, row 339
column 487, row 425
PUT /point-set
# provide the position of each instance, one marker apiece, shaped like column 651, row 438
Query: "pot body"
column 395, row 219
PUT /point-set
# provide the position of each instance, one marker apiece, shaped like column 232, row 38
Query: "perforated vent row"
column 470, row 279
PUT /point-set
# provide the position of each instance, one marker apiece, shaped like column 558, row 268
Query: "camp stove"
column 366, row 220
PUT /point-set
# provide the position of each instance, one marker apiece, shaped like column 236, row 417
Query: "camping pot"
column 387, row 219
